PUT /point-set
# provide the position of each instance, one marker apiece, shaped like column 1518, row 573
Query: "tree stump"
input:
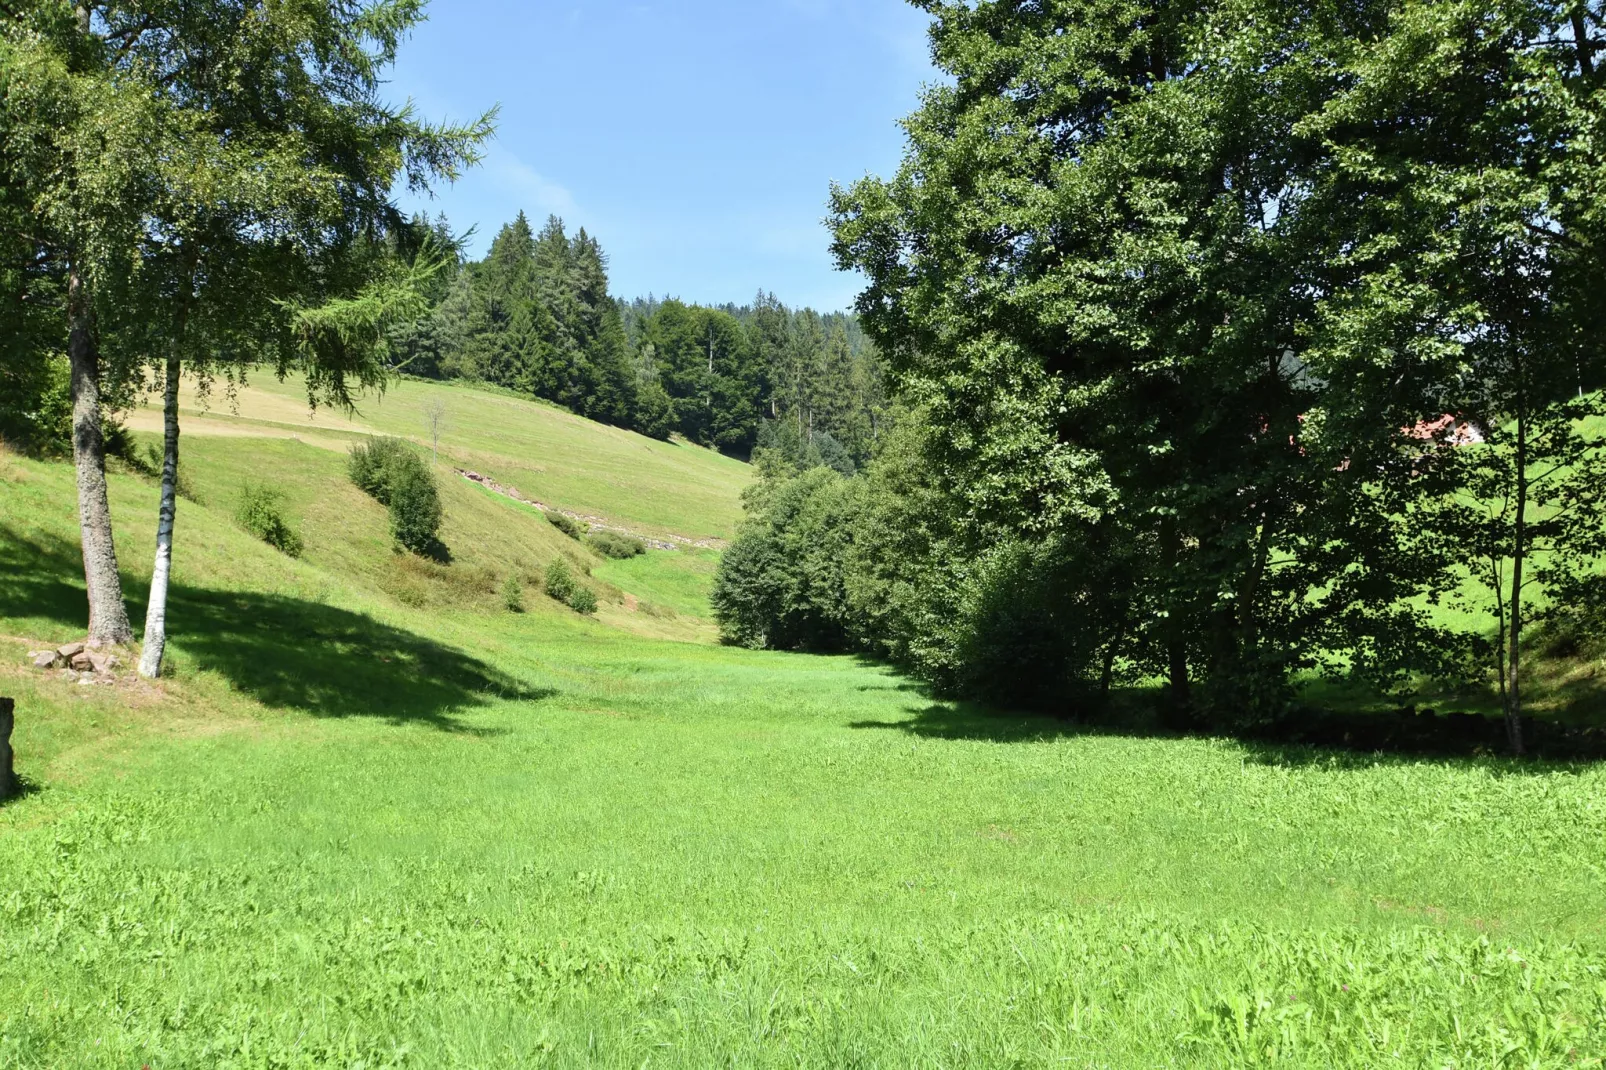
column 8, row 720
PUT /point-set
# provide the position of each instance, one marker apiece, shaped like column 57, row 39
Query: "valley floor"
column 374, row 823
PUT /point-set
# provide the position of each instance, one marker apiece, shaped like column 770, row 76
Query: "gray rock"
column 82, row 662
column 45, row 659
column 70, row 651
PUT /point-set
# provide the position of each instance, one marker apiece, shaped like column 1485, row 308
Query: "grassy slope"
column 546, row 452
column 373, row 820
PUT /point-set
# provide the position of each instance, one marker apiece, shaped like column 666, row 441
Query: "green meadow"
column 374, row 819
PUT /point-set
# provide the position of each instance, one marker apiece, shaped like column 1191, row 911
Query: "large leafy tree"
column 254, row 162
column 708, row 365
column 81, row 151
column 1085, row 255
column 1244, row 258
column 1464, row 181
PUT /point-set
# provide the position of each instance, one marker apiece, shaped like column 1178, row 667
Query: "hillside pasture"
column 358, row 827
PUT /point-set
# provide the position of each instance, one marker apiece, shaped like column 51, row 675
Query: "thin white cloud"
column 538, row 194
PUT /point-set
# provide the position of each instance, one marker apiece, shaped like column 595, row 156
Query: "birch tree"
column 273, row 235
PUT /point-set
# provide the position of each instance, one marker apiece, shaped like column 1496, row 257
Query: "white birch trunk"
column 150, row 660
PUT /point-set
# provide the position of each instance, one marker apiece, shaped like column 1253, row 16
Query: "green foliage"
column 35, row 402
column 374, row 466
column 261, row 512
column 583, row 601
column 882, row 564
column 415, row 509
column 616, row 545
column 563, row 587
column 513, row 594
column 566, row 524
column 783, row 447
column 390, row 471
column 783, row 583
column 535, row 316
column 560, row 583
column 1201, row 303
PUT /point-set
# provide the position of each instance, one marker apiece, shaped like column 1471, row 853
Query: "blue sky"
column 696, row 139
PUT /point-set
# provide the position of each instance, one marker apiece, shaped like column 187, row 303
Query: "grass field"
column 546, row 452
column 375, row 820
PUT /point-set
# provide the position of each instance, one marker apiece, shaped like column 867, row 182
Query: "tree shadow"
column 286, row 653
column 21, row 788
column 33, row 578
column 1309, row 739
column 971, row 722
column 294, row 654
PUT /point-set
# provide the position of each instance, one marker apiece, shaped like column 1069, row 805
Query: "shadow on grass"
column 1309, row 738
column 21, row 788
column 287, row 653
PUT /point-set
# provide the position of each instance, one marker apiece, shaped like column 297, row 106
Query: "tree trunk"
column 8, row 721
column 1107, row 671
column 1583, row 45
column 150, row 661
column 1519, row 550
column 1181, row 692
column 108, row 617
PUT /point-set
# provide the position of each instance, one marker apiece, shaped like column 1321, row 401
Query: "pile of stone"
column 81, row 663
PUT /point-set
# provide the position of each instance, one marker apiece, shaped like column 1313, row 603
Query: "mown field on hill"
column 544, row 451
column 375, row 819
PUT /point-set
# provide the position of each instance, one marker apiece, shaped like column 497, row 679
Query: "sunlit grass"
column 544, row 451
column 375, row 819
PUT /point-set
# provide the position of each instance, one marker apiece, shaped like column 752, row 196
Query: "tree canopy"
column 1196, row 307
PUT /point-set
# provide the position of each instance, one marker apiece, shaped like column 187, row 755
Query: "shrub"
column 561, row 585
column 513, row 595
column 395, row 476
column 566, row 524
column 560, row 582
column 36, row 404
column 415, row 509
column 261, row 514
column 373, row 462
column 783, row 582
column 617, row 546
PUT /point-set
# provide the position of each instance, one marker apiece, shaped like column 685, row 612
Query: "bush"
column 783, row 582
column 373, row 462
column 560, row 582
column 261, row 514
column 617, row 546
column 36, row 401
column 513, row 595
column 415, row 510
column 566, row 524
column 395, row 476
column 561, row 585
